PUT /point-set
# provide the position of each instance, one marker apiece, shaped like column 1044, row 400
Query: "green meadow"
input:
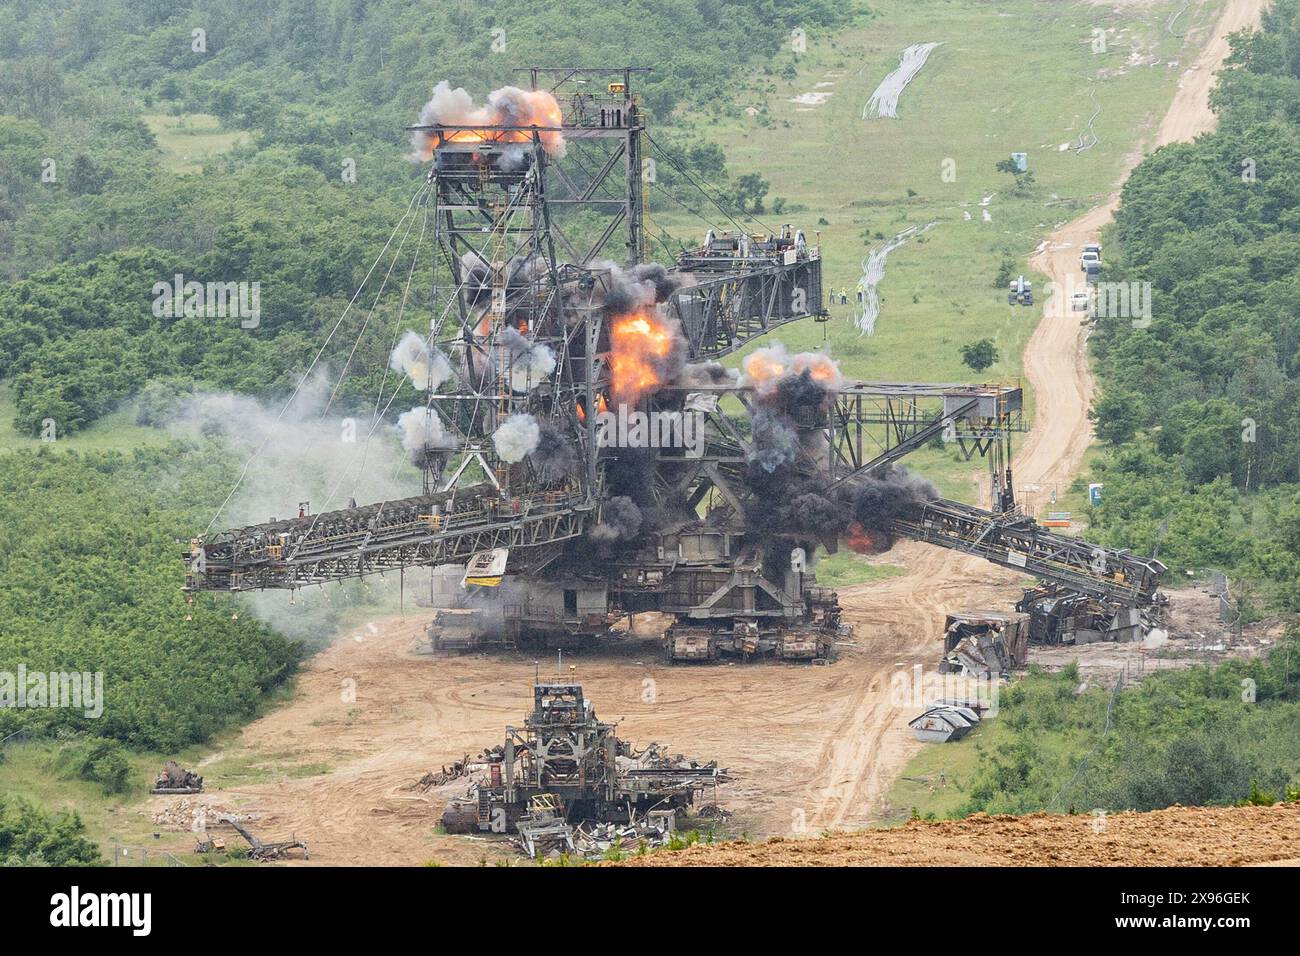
column 981, row 96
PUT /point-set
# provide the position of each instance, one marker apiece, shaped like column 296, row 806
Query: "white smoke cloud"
column 423, row 436
column 517, row 437
column 426, row 367
column 530, row 362
column 303, row 457
column 300, row 455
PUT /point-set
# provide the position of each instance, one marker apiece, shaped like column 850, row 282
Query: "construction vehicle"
column 1020, row 292
column 456, row 629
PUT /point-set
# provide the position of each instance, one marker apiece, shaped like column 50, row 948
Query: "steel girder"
column 1013, row 540
column 725, row 304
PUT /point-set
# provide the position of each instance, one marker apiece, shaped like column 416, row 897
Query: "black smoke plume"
column 620, row 520
column 554, row 457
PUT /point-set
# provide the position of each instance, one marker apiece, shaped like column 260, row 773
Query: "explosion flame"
column 766, row 367
column 860, row 540
column 508, row 106
column 642, row 345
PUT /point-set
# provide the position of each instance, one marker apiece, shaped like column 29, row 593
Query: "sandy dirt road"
column 813, row 748
column 1056, row 357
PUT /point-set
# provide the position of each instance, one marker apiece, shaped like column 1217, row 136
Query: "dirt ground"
column 812, row 748
column 1177, row 836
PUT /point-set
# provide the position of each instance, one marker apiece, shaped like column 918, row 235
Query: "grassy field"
column 38, row 770
column 189, row 139
column 936, row 782
column 981, row 96
column 114, row 821
column 846, row 567
column 116, row 430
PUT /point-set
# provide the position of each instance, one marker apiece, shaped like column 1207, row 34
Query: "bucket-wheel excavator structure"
column 537, row 327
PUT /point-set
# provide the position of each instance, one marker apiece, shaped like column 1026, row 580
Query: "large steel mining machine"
column 563, row 752
column 535, row 329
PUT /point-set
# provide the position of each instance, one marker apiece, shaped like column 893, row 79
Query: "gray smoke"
column 815, row 513
column 520, row 272
column 554, row 457
column 708, row 373
column 629, row 290
column 775, row 441
column 887, row 494
column 531, row 363
column 620, row 520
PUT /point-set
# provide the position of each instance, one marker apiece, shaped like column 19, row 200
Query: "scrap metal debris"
column 984, row 644
column 946, row 720
column 566, row 783
column 1059, row 615
column 436, row 778
column 258, row 851
column 174, row 779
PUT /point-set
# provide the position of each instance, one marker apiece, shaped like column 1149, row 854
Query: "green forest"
column 1200, row 409
column 315, row 86
column 1204, row 736
column 96, row 590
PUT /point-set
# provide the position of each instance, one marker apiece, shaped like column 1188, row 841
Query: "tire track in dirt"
column 1177, row 836
column 872, row 744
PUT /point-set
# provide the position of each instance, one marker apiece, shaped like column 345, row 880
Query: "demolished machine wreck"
column 565, row 766
column 582, row 447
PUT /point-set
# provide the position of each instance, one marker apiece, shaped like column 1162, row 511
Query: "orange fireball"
column 860, row 540
column 641, row 343
column 508, row 106
column 767, row 366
